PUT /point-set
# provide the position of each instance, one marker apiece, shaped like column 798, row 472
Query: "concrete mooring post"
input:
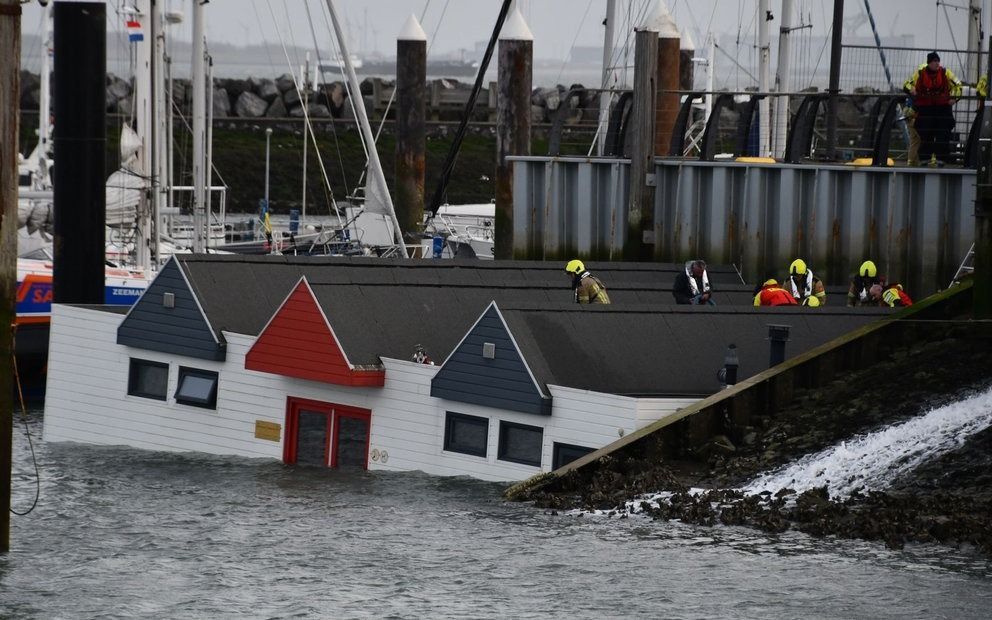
column 669, row 80
column 411, row 135
column 516, row 66
column 640, row 214
column 778, row 335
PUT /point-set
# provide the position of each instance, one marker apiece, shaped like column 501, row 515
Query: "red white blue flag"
column 134, row 31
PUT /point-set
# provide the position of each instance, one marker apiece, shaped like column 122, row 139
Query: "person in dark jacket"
column 859, row 293
column 934, row 89
column 692, row 286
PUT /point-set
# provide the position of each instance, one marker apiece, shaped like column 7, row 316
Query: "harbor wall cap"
column 515, row 28
column 660, row 20
column 412, row 31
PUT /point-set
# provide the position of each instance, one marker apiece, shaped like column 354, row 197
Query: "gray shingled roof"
column 240, row 293
column 670, row 351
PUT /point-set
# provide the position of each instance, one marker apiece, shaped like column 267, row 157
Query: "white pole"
column 199, row 126
column 306, row 128
column 45, row 105
column 973, row 61
column 764, row 58
column 710, row 59
column 160, row 141
column 608, row 72
column 268, row 145
column 144, row 97
column 375, row 168
column 209, row 168
column 783, row 83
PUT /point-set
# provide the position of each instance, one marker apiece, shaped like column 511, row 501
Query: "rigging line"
column 261, row 31
column 27, row 430
column 571, row 47
column 306, row 113
column 819, row 58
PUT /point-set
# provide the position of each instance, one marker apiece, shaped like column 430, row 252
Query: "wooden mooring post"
column 640, row 214
column 983, row 212
column 411, row 133
column 515, row 71
column 10, row 96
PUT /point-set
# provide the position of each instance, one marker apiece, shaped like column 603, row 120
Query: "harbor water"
column 127, row 533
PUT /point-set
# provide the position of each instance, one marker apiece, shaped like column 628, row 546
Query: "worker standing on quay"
column 933, row 89
column 771, row 294
column 588, row 288
column 805, row 287
column 859, row 293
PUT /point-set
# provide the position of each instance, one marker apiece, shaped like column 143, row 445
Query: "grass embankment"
column 239, row 159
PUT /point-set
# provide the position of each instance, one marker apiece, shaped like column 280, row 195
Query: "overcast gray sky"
column 555, row 23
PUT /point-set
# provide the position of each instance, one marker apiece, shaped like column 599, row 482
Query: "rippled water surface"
column 122, row 533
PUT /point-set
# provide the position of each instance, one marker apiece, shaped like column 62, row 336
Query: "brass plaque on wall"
column 267, row 430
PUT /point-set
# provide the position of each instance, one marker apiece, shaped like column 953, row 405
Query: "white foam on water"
column 874, row 461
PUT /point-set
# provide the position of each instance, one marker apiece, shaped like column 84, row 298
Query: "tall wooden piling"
column 687, row 68
column 640, row 214
column 515, row 70
column 411, row 134
column 10, row 97
column 983, row 212
column 80, row 137
column 669, row 79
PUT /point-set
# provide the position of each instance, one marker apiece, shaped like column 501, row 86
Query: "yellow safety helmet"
column 798, row 267
column 575, row 266
column 812, row 302
column 867, row 269
column 770, row 282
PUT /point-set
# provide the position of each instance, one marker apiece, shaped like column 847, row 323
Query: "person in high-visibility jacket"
column 588, row 288
column 771, row 294
column 933, row 89
column 804, row 286
column 891, row 295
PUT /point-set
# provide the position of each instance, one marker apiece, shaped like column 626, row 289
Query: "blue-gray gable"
column 502, row 382
column 182, row 329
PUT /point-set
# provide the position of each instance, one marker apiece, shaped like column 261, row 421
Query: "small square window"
column 564, row 454
column 197, row 387
column 520, row 443
column 148, row 379
column 467, row 434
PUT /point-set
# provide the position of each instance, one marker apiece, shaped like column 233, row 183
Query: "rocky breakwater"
column 256, row 98
column 945, row 498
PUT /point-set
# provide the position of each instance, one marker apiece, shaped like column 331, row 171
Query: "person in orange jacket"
column 771, row 294
column 891, row 295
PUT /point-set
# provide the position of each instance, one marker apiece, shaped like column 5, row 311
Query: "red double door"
column 326, row 435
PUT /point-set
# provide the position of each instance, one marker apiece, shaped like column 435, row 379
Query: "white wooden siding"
column 87, row 401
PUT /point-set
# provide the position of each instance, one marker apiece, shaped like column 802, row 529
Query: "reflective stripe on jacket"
column 591, row 291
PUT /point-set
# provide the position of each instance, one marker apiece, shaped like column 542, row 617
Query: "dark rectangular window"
column 520, row 443
column 197, row 387
column 148, row 379
column 565, row 453
column 467, row 434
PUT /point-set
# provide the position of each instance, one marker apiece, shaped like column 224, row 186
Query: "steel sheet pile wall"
column 916, row 223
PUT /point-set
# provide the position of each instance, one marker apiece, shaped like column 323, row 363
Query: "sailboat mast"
column 199, row 128
column 764, row 58
column 782, row 80
column 605, row 97
column 45, row 105
column 375, row 167
column 973, row 66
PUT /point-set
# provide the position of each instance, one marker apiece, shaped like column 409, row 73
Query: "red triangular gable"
column 299, row 342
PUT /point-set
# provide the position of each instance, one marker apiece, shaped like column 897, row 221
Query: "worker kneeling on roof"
column 771, row 294
column 804, row 285
column 588, row 288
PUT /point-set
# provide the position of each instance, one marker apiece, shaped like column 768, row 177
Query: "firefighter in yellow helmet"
column 859, row 293
column 803, row 285
column 588, row 288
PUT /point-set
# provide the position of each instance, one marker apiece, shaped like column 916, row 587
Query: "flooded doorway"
column 321, row 434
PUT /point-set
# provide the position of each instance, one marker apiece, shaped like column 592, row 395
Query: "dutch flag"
column 134, row 31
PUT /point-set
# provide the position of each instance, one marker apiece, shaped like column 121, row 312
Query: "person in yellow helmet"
column 859, row 293
column 587, row 287
column 803, row 285
column 890, row 295
column 771, row 294
column 934, row 89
